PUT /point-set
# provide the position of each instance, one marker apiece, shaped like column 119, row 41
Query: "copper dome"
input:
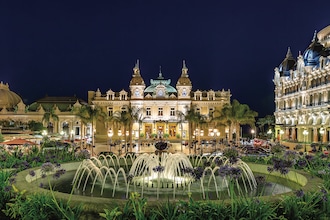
column 8, row 99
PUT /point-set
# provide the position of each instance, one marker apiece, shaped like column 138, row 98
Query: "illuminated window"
column 148, row 111
column 160, row 111
column 110, row 111
column 172, row 112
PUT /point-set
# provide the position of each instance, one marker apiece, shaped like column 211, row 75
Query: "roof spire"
column 184, row 69
column 137, row 64
column 315, row 39
column 160, row 75
column 288, row 54
column 136, row 68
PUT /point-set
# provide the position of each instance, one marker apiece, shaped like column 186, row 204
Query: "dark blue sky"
column 64, row 48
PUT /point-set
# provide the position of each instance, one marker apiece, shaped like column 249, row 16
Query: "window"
column 148, row 111
column 110, row 111
column 160, row 111
column 211, row 111
column 172, row 112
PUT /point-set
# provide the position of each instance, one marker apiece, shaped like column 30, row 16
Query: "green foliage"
column 35, row 126
column 39, row 206
column 252, row 208
column 2, row 139
column 4, row 194
column 111, row 214
column 230, row 152
column 14, row 206
column 277, row 149
column 135, row 208
column 300, row 207
column 169, row 211
column 202, row 210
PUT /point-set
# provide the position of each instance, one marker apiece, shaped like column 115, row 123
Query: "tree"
column 88, row 114
column 181, row 119
column 48, row 117
column 195, row 120
column 126, row 117
column 235, row 115
column 267, row 120
column 35, row 126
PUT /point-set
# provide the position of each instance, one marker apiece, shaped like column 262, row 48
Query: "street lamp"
column 218, row 135
column 120, row 146
column 252, row 133
column 269, row 133
column 305, row 133
column 212, row 135
column 110, row 134
column 227, row 132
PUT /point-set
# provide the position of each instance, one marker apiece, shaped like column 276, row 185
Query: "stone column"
column 315, row 135
column 287, row 133
column 294, row 135
column 325, row 136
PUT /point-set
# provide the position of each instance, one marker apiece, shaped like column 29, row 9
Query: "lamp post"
column 212, row 135
column 120, row 145
column 305, row 133
column 227, row 132
column 126, row 144
column 110, row 134
column 218, row 137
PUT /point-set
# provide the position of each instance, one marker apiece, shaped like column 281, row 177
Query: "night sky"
column 65, row 48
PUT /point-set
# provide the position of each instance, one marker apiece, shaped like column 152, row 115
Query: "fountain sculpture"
column 164, row 172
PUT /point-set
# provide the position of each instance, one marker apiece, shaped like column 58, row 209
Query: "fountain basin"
column 97, row 204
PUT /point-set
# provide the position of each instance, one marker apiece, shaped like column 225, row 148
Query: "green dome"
column 160, row 81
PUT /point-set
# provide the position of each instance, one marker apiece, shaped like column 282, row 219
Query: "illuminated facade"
column 163, row 106
column 302, row 92
column 15, row 115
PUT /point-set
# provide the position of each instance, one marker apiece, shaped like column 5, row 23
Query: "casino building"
column 302, row 92
column 163, row 104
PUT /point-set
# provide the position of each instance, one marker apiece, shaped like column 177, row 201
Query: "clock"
column 160, row 93
column 184, row 92
column 137, row 92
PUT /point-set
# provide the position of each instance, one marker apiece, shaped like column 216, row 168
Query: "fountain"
column 163, row 172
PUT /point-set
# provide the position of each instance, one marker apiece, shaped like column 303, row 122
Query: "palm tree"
column 181, row 118
column 267, row 120
column 139, row 117
column 88, row 114
column 235, row 115
column 196, row 120
column 126, row 118
column 49, row 116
